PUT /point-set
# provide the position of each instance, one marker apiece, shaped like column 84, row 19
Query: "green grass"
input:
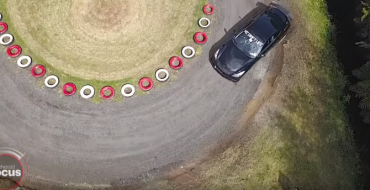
column 307, row 144
column 65, row 77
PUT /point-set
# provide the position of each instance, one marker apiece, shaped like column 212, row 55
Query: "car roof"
column 262, row 28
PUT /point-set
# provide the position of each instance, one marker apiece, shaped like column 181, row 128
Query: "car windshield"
column 247, row 43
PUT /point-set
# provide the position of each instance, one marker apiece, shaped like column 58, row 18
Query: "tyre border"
column 20, row 59
column 146, row 88
column 51, row 85
column 66, row 85
column 33, row 71
column 128, row 86
column 206, row 19
column 162, row 79
column 188, row 48
column 87, row 87
column 205, row 37
column 105, row 88
column 16, row 47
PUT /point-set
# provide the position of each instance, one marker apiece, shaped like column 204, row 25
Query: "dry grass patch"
column 103, row 39
column 100, row 73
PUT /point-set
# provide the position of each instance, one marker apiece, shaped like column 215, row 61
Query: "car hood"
column 231, row 58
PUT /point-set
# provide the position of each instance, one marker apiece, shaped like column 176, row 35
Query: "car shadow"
column 243, row 21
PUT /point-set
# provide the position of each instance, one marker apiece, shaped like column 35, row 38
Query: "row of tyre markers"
column 107, row 92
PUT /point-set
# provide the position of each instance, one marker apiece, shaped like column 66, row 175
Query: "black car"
column 238, row 54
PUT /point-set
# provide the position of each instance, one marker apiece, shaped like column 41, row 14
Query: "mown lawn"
column 98, row 84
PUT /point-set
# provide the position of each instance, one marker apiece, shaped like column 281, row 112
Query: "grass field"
column 306, row 142
column 101, row 43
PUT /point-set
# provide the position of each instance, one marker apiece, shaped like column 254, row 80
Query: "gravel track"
column 69, row 140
